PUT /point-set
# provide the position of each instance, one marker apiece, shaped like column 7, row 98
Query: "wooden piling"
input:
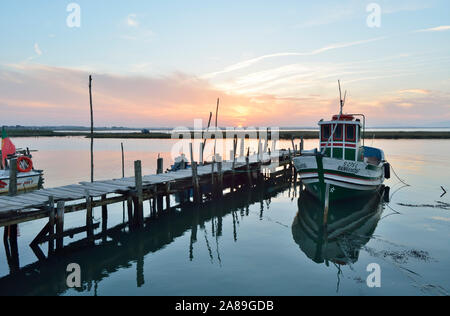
column 249, row 174
column 13, row 177
column 159, row 163
column 92, row 128
column 123, row 161
column 220, row 179
column 89, row 216
column 195, row 182
column 139, row 193
column 168, row 195
column 51, row 222
column 59, row 225
column 104, row 218
column 200, row 160
column 130, row 212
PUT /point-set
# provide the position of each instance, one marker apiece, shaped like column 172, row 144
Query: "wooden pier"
column 195, row 185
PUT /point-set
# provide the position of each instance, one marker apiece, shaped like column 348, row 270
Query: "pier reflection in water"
column 122, row 248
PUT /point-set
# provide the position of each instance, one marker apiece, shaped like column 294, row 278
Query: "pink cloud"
column 44, row 95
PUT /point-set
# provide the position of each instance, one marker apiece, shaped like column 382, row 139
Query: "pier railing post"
column 13, row 177
column 138, row 182
column 60, row 225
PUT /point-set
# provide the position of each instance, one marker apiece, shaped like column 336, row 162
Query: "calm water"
column 253, row 243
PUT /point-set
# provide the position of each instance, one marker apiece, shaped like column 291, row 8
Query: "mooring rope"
column 395, row 173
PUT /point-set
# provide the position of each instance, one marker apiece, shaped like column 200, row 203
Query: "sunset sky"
column 272, row 63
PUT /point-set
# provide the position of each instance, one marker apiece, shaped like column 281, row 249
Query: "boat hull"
column 346, row 179
column 25, row 181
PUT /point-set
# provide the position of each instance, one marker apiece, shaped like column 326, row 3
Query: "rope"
column 395, row 173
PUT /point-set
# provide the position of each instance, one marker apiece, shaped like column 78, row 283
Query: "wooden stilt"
column 130, row 212
column 59, row 226
column 13, row 177
column 168, row 195
column 220, row 179
column 89, row 217
column 104, row 219
column 138, row 182
column 51, row 222
column 195, row 182
column 159, row 163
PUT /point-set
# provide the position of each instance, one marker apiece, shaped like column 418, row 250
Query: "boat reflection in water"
column 350, row 226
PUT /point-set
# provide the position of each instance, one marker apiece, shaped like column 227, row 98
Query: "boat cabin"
column 346, row 141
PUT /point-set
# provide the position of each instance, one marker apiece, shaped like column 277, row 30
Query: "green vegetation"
column 282, row 134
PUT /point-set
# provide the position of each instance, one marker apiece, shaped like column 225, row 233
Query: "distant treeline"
column 16, row 132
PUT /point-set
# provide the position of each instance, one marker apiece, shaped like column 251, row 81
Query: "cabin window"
column 350, row 133
column 326, row 132
column 338, row 132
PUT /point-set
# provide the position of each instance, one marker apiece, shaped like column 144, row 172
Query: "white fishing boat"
column 343, row 167
column 27, row 177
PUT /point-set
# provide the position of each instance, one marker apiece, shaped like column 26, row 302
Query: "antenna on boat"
column 341, row 101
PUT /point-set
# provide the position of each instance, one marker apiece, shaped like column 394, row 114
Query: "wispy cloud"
column 436, row 29
column 416, row 91
column 39, row 94
column 250, row 62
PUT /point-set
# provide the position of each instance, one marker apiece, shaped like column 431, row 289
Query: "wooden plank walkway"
column 38, row 199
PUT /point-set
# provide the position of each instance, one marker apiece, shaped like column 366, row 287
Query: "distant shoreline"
column 282, row 134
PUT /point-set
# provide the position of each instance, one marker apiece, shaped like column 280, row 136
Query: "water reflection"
column 350, row 226
column 124, row 249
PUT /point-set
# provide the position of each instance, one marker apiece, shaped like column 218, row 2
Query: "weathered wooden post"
column 301, row 145
column 104, row 218
column 247, row 162
column 13, row 177
column 89, row 216
column 159, row 163
column 92, row 129
column 195, row 182
column 220, row 181
column 130, row 212
column 139, row 193
column 168, row 195
column 213, row 178
column 201, row 155
column 154, row 191
column 59, row 225
column 233, row 180
column 123, row 161
column 51, row 223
